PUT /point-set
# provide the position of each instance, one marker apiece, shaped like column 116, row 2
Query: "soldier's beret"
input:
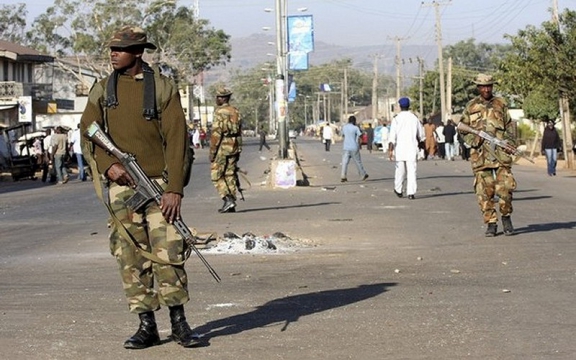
column 130, row 36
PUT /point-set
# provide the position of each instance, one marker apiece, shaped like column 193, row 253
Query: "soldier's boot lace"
column 181, row 331
column 507, row 225
column 229, row 204
column 147, row 334
column 491, row 230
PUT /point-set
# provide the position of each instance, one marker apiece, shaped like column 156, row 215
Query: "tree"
column 13, row 22
column 83, row 29
column 468, row 59
column 542, row 60
column 541, row 105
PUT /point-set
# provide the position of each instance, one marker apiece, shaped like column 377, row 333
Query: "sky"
column 373, row 22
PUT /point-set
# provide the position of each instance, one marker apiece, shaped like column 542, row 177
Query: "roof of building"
column 18, row 52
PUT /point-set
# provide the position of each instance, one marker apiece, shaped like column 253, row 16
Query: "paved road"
column 384, row 278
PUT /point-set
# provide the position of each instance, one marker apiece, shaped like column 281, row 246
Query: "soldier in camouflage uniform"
column 225, row 149
column 147, row 249
column 491, row 165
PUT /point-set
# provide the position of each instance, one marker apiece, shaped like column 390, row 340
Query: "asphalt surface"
column 374, row 277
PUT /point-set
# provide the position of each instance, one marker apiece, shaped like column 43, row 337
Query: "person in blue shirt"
column 351, row 149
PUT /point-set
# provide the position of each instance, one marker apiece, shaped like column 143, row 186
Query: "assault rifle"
column 146, row 190
column 493, row 140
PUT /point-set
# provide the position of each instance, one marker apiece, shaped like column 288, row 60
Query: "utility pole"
column 375, row 89
column 449, row 91
column 564, row 105
column 398, row 66
column 280, row 88
column 437, row 5
column 345, row 91
column 421, row 90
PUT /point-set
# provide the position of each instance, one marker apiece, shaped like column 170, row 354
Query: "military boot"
column 229, row 204
column 507, row 225
column 147, row 334
column 491, row 230
column 181, row 332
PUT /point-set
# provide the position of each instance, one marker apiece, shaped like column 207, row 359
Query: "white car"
column 292, row 134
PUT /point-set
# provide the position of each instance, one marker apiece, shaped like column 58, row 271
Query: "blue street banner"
column 291, row 91
column 300, row 40
column 298, row 60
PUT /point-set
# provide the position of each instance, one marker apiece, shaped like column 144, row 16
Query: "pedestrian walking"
column 59, row 144
column 76, row 149
column 429, row 130
column 440, row 140
column 550, row 145
column 225, row 149
column 406, row 132
column 491, row 166
column 449, row 136
column 263, row 133
column 149, row 251
column 327, row 136
column 369, row 138
column 351, row 149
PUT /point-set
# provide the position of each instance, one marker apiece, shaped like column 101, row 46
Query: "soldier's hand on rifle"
column 170, row 206
column 118, row 174
column 509, row 149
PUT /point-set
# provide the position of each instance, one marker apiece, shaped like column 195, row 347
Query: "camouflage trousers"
column 224, row 176
column 494, row 182
column 153, row 234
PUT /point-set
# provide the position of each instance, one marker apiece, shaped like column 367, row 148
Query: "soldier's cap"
column 130, row 36
column 404, row 102
column 223, row 92
column 483, row 79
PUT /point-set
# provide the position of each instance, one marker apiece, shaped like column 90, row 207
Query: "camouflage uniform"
column 153, row 129
column 225, row 148
column 491, row 166
column 152, row 234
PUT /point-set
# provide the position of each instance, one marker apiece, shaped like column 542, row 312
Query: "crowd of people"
column 55, row 152
column 408, row 140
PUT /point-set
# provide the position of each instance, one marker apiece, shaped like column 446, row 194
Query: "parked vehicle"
column 22, row 162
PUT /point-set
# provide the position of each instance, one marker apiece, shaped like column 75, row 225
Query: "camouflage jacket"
column 493, row 118
column 226, row 136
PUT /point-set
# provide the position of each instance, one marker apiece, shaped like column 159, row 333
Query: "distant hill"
column 247, row 52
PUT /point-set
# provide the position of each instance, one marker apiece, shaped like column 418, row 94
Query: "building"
column 22, row 92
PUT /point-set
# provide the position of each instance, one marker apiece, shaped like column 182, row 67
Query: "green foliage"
column 75, row 27
column 12, row 22
column 541, row 105
column 542, row 59
column 468, row 59
column 525, row 133
column 252, row 92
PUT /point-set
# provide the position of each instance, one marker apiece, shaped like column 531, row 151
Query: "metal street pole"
column 281, row 101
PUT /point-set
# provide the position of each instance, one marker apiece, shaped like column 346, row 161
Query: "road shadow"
column 532, row 198
column 445, row 177
column 286, row 207
column 532, row 228
column 290, row 309
column 440, row 194
column 354, row 182
column 7, row 186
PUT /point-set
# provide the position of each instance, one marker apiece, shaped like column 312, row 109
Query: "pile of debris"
column 249, row 243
